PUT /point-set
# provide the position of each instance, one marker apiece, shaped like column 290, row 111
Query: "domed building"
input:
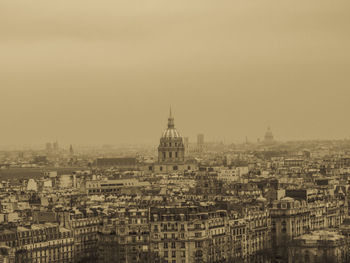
column 171, row 147
column 268, row 136
column 171, row 152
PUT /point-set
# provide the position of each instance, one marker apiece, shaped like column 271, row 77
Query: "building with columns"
column 171, row 148
column 171, row 151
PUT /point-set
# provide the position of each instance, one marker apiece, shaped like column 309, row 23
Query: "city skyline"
column 152, row 140
column 174, row 131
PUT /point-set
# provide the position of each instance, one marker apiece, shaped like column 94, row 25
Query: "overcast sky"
column 95, row 72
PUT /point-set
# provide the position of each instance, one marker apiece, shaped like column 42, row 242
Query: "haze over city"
column 95, row 72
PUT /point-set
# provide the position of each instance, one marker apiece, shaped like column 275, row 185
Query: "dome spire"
column 171, row 120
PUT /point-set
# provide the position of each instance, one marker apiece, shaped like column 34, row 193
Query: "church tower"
column 171, row 148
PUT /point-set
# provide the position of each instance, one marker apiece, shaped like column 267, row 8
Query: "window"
column 161, row 168
column 173, row 236
column 165, row 245
column 165, row 254
column 173, row 254
column 175, row 168
column 198, row 244
column 176, row 155
column 183, row 245
column 170, row 155
column 173, row 245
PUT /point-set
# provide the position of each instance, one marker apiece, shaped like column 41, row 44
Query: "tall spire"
column 171, row 120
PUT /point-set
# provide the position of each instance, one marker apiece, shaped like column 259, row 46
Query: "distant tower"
column 71, row 151
column 55, row 146
column 171, row 147
column 268, row 136
column 186, row 144
column 200, row 141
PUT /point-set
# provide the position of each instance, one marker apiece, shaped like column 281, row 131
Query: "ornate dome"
column 268, row 135
column 171, row 148
column 171, row 132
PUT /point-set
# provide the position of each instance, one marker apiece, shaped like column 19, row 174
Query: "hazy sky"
column 94, row 72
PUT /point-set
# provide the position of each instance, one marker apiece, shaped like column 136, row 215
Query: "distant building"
column 200, row 140
column 171, row 151
column 187, row 145
column 292, row 162
column 268, row 138
column 128, row 163
column 95, row 187
column 171, row 147
column 71, row 151
column 55, row 146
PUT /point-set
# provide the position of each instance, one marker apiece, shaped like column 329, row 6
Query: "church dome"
column 171, row 133
column 171, row 147
column 268, row 135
